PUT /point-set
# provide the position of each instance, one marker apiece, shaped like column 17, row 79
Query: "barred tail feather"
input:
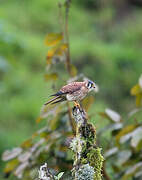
column 60, row 100
column 50, row 101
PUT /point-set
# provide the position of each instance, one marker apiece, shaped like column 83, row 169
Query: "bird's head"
column 90, row 85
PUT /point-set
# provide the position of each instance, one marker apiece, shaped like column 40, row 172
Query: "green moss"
column 87, row 132
column 96, row 160
column 88, row 152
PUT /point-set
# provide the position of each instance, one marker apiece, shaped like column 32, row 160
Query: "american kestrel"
column 74, row 91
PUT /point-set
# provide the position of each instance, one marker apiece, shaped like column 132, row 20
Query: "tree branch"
column 88, row 161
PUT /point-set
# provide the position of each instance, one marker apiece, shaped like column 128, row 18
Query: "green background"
column 106, row 46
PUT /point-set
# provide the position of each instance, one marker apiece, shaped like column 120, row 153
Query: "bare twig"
column 71, row 119
column 68, row 63
column 61, row 21
column 67, row 5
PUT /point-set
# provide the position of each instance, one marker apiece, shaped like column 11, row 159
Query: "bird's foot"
column 77, row 105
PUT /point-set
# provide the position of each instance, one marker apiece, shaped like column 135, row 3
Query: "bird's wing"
column 59, row 93
column 68, row 89
column 72, row 87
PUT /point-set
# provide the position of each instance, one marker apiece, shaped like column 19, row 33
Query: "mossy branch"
column 88, row 160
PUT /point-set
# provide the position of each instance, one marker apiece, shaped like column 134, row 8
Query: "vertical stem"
column 61, row 19
column 70, row 118
column 68, row 63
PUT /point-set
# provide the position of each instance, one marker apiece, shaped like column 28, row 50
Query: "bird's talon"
column 77, row 105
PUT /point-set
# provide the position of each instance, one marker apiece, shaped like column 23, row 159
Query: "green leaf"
column 73, row 70
column 114, row 127
column 53, row 38
column 60, row 175
column 138, row 99
column 136, row 138
column 123, row 156
column 125, row 131
column 138, row 174
column 111, row 152
column 87, row 102
column 111, row 115
column 54, row 123
column 26, row 144
column 132, row 171
column 39, row 119
column 140, row 81
column 50, row 54
column 125, row 138
column 48, row 60
column 11, row 154
column 135, row 90
column 10, row 166
column 114, row 116
column 47, row 111
column 61, row 49
column 57, row 50
column 52, row 76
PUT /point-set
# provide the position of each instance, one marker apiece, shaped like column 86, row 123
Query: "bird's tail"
column 58, row 99
column 50, row 101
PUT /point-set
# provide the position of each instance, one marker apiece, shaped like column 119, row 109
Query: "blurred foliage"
column 137, row 91
column 105, row 43
column 123, row 154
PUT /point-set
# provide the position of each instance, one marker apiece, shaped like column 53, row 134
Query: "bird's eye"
column 89, row 85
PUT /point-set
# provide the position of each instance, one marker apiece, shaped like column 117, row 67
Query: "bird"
column 74, row 91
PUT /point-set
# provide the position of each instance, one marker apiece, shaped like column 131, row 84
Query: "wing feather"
column 59, row 93
column 68, row 89
column 72, row 87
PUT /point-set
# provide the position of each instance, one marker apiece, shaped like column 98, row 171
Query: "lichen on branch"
column 88, row 160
